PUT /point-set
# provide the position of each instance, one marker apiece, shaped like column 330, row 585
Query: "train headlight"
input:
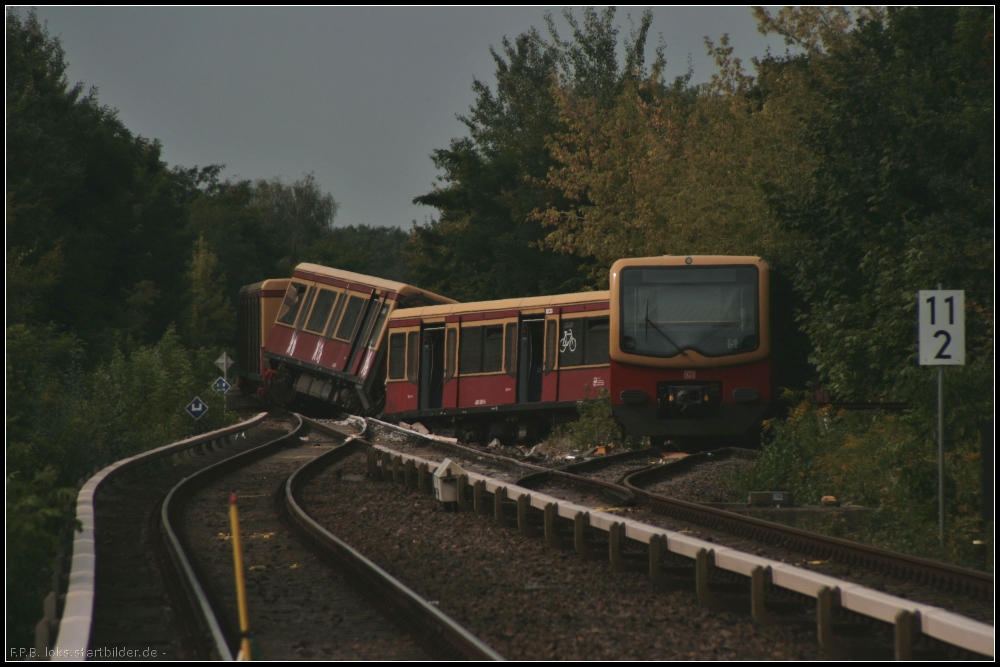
column 746, row 395
column 634, row 396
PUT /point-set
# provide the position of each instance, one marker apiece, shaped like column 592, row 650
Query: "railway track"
column 824, row 592
column 183, row 608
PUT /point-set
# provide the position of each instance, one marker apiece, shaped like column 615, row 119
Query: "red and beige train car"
column 682, row 344
column 498, row 367
column 328, row 334
column 256, row 310
column 690, row 345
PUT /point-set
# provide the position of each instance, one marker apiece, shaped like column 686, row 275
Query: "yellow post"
column 241, row 589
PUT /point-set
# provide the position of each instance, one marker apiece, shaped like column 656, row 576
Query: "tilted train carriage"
column 326, row 338
column 257, row 308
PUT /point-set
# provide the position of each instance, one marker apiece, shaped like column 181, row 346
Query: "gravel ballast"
column 528, row 600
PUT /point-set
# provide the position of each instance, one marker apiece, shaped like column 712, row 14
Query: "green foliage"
column 375, row 251
column 262, row 229
column 211, row 318
column 64, row 422
column 902, row 194
column 879, row 460
column 598, row 426
column 486, row 245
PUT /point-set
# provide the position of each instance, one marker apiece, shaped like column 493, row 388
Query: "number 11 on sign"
column 942, row 327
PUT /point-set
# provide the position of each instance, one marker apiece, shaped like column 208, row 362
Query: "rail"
column 73, row 636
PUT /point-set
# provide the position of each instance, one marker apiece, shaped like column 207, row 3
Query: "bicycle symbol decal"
column 567, row 342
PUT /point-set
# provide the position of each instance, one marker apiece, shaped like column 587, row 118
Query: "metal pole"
column 940, row 406
column 940, row 371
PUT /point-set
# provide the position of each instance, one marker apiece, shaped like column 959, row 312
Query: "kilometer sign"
column 941, row 331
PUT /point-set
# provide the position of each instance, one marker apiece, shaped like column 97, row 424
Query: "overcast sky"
column 359, row 97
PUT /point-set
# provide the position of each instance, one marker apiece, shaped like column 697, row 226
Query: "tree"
column 902, row 194
column 485, row 244
column 79, row 181
column 211, row 319
column 374, row 251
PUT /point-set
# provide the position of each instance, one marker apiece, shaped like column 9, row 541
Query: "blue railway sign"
column 196, row 408
column 220, row 386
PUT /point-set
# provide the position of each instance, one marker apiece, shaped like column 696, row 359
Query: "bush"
column 598, row 426
column 880, row 460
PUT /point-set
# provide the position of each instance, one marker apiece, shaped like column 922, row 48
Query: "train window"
column 595, row 349
column 379, row 323
column 571, row 343
column 470, row 351
column 306, row 305
column 335, row 318
column 397, row 356
column 291, row 304
column 712, row 310
column 449, row 361
column 321, row 310
column 412, row 356
column 351, row 315
column 510, row 353
column 493, row 349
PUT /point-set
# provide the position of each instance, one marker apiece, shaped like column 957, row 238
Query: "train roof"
column 268, row 283
column 524, row 303
column 308, row 271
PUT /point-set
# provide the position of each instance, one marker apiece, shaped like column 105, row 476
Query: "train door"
column 550, row 378
column 450, row 381
column 531, row 356
column 432, row 359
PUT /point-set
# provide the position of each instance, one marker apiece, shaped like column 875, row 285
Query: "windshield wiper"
column 661, row 332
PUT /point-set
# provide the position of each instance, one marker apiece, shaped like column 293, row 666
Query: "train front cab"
column 257, row 308
column 690, row 345
column 328, row 338
column 498, row 368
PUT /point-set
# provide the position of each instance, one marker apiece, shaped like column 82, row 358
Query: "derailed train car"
column 326, row 339
column 257, row 308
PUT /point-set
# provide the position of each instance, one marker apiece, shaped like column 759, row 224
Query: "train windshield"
column 668, row 310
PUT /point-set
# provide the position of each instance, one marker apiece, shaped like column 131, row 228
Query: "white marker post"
column 941, row 339
column 224, row 362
